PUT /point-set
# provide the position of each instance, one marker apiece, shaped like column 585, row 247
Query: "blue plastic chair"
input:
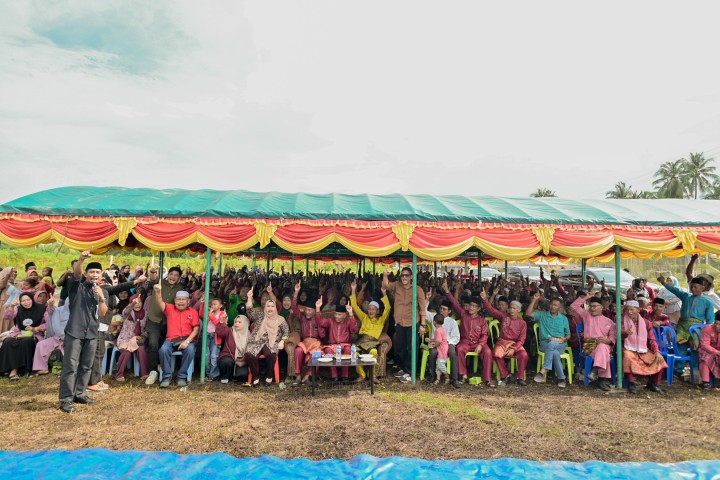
column 179, row 353
column 105, row 360
column 658, row 334
column 670, row 340
column 695, row 334
column 133, row 361
column 588, row 360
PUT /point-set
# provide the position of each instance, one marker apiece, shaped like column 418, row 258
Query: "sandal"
column 268, row 381
column 120, row 379
column 437, row 381
column 12, row 378
column 43, row 372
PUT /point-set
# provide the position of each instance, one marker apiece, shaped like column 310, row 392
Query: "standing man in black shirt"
column 87, row 304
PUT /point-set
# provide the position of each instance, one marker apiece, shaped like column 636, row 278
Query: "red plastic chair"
column 277, row 369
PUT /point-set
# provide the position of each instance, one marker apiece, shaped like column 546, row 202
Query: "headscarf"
column 271, row 325
column 122, row 304
column 37, row 296
column 34, row 313
column 666, row 294
column 241, row 336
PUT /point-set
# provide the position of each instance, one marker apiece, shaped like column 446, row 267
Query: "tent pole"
column 583, row 269
column 480, row 267
column 253, row 261
column 161, row 260
column 414, row 318
column 267, row 270
column 373, row 277
column 203, row 332
column 435, row 269
column 292, row 264
column 307, row 266
column 505, row 269
column 220, row 265
column 618, row 319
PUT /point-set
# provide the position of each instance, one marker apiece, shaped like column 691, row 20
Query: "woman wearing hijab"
column 132, row 339
column 269, row 333
column 673, row 303
column 18, row 349
column 231, row 360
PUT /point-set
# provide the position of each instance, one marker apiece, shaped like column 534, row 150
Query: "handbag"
column 177, row 341
column 589, row 346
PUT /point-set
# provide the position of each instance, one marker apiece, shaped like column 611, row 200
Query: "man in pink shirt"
column 339, row 329
column 513, row 331
column 709, row 352
column 599, row 332
column 473, row 336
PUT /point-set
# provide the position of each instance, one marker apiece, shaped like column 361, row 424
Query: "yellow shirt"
column 371, row 326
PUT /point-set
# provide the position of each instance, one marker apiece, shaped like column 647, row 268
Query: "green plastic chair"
column 494, row 332
column 567, row 356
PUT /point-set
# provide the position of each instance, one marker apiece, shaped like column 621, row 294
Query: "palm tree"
column 621, row 191
column 714, row 192
column 543, row 192
column 671, row 179
column 700, row 173
column 646, row 195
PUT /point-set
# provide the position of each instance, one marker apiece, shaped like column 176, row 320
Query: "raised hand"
column 318, row 303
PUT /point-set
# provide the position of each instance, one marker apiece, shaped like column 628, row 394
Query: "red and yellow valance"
column 430, row 241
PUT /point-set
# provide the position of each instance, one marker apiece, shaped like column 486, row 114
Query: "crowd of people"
column 263, row 326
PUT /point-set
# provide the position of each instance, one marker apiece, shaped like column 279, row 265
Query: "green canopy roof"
column 141, row 202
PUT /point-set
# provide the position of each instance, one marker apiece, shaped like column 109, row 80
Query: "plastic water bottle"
column 353, row 353
column 338, row 353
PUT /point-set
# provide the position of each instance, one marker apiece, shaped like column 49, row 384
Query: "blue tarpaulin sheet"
column 101, row 463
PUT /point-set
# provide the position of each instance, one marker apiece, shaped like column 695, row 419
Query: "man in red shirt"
column 183, row 326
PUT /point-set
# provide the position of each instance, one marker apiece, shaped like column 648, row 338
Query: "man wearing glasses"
column 402, row 312
column 599, row 338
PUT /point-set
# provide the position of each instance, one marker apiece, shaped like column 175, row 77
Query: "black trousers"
column 452, row 356
column 402, row 344
column 77, row 364
column 156, row 337
column 95, row 373
column 254, row 363
column 229, row 371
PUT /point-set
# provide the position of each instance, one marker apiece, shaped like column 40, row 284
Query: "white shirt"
column 450, row 325
column 713, row 298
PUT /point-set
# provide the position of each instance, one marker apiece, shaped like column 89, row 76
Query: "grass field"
column 538, row 422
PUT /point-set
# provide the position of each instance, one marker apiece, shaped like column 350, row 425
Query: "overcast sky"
column 471, row 98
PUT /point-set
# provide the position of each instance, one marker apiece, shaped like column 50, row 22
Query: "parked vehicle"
column 573, row 276
column 525, row 271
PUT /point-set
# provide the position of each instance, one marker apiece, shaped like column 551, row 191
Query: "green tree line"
column 692, row 177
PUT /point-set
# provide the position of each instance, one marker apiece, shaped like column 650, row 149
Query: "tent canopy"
column 143, row 202
column 432, row 227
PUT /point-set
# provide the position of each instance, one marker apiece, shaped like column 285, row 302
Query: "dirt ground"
column 538, row 422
